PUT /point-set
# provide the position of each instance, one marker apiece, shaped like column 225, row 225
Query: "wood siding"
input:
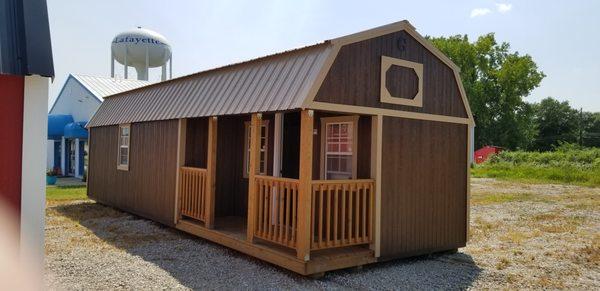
column 424, row 191
column 196, row 142
column 355, row 76
column 148, row 187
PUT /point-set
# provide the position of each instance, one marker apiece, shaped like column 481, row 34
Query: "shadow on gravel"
column 199, row 264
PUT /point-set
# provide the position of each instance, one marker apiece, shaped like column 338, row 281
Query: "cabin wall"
column 423, row 187
column 148, row 187
column 355, row 76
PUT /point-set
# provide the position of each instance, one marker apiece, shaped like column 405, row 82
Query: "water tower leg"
column 171, row 67
column 112, row 64
column 125, row 65
column 164, row 72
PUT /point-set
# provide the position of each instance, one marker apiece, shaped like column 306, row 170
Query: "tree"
column 591, row 129
column 496, row 81
column 556, row 122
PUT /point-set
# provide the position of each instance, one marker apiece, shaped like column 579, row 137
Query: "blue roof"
column 76, row 130
column 25, row 47
column 56, row 125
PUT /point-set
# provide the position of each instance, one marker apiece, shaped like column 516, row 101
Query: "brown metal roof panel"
column 280, row 82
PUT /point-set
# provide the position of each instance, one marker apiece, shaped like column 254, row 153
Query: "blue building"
column 77, row 101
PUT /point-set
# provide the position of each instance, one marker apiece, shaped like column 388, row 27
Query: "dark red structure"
column 11, row 137
column 482, row 154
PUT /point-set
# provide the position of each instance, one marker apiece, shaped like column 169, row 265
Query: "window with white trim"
column 339, row 145
column 264, row 148
column 123, row 159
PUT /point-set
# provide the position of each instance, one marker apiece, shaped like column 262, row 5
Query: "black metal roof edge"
column 25, row 46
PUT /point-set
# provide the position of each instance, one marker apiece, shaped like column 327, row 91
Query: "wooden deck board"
column 231, row 232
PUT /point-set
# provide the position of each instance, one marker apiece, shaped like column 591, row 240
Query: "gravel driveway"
column 89, row 246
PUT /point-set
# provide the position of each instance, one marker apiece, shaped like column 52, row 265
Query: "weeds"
column 568, row 165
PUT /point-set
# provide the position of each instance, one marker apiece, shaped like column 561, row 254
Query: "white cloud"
column 503, row 7
column 480, row 12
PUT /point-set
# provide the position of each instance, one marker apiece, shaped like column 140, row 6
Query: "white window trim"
column 324, row 121
column 123, row 167
column 265, row 124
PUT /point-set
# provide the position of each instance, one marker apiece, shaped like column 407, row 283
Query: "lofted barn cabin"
column 340, row 154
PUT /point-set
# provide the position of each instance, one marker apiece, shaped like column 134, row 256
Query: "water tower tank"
column 142, row 49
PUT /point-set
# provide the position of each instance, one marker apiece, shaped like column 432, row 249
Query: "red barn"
column 482, row 154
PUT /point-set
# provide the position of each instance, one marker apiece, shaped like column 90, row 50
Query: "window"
column 123, row 159
column 339, row 147
column 264, row 148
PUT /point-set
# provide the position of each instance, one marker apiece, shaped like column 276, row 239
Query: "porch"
column 256, row 187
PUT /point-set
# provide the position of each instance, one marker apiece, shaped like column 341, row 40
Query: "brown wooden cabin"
column 340, row 154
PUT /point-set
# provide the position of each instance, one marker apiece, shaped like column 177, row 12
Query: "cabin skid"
column 294, row 158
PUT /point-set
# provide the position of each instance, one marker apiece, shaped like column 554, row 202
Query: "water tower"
column 142, row 49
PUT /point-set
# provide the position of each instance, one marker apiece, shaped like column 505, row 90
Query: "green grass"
column 63, row 193
column 539, row 174
column 566, row 165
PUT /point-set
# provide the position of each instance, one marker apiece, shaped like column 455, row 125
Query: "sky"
column 562, row 36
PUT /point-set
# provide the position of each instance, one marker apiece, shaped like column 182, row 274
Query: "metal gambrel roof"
column 105, row 86
column 273, row 83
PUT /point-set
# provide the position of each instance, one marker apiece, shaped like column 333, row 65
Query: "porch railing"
column 342, row 213
column 192, row 192
column 277, row 203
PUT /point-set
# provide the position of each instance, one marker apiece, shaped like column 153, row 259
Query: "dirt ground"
column 521, row 236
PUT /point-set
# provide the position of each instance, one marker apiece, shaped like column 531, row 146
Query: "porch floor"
column 231, row 232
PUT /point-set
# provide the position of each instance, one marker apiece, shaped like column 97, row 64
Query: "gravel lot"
column 522, row 236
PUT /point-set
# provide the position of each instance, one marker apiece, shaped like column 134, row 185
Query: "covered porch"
column 296, row 189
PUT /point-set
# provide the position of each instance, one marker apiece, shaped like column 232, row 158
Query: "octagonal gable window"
column 401, row 82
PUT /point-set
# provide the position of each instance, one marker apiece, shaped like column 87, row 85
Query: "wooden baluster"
column 192, row 194
column 287, row 213
column 294, row 219
column 328, row 234
column 320, row 215
column 364, row 213
column 313, row 217
column 265, row 209
column 260, row 197
column 187, row 193
column 268, row 209
column 335, row 215
column 350, row 213
column 280, row 193
column 343, row 213
column 357, row 215
column 372, row 212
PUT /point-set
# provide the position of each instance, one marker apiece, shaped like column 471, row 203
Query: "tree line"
column 496, row 81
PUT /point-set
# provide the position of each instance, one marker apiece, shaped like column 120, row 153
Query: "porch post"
column 181, row 136
column 253, row 166
column 305, row 185
column 211, row 168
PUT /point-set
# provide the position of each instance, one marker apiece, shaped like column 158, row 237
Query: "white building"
column 77, row 101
